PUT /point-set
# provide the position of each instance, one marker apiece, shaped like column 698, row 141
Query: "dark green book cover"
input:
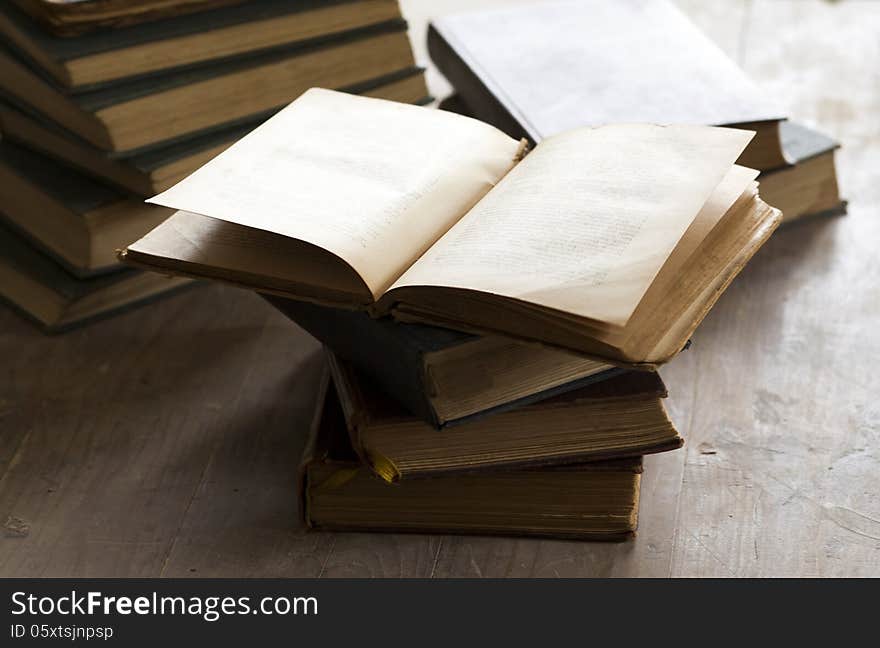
column 393, row 354
column 131, row 172
column 26, row 87
column 67, row 48
column 24, row 259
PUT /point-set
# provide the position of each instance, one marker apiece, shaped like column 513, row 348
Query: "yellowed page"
column 373, row 181
column 737, row 181
column 586, row 221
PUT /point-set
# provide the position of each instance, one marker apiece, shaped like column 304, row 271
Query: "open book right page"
column 584, row 223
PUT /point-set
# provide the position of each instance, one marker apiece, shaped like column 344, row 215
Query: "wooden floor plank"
column 120, row 420
column 243, row 519
column 784, row 453
column 371, row 555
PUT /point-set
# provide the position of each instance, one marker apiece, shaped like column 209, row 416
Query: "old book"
column 80, row 221
column 612, row 242
column 809, row 187
column 440, row 375
column 592, row 501
column 73, row 17
column 159, row 168
column 619, row 417
column 541, row 69
column 56, row 300
column 133, row 115
column 226, row 33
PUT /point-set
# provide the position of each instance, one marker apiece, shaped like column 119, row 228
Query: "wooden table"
column 165, row 441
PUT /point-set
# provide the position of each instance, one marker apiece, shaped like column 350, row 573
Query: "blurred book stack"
column 589, row 62
column 104, row 103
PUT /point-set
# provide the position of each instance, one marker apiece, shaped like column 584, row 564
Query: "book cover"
column 231, row 33
column 55, row 300
column 156, row 168
column 128, row 118
column 621, row 416
column 404, row 361
column 540, row 69
column 596, row 501
column 74, row 17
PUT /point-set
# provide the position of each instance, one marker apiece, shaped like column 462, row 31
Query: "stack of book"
column 104, row 102
column 593, row 62
column 495, row 316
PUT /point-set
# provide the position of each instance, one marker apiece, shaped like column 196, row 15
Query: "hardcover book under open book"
column 621, row 416
column 598, row 500
column 613, row 241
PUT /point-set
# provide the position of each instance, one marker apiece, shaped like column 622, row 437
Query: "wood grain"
column 165, row 441
column 784, row 444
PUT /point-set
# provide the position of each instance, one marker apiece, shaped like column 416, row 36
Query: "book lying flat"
column 593, row 501
column 443, row 376
column 72, row 17
column 159, row 168
column 131, row 116
column 79, row 221
column 43, row 291
column 541, row 69
column 619, row 417
column 809, row 187
column 241, row 30
column 612, row 242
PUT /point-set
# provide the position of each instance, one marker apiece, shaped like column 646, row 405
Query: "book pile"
column 494, row 316
column 106, row 102
column 579, row 63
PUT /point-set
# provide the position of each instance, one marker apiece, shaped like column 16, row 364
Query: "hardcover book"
column 541, row 69
column 619, row 417
column 443, row 376
column 809, row 187
column 160, row 167
column 72, row 17
column 190, row 40
column 612, row 242
column 593, row 501
column 47, row 294
column 81, row 222
column 131, row 116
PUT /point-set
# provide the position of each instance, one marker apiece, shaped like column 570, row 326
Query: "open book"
column 611, row 241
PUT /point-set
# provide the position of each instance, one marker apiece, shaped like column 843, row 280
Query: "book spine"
column 372, row 346
column 312, row 453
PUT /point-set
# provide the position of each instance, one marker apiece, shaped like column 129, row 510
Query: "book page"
column 586, row 221
column 729, row 191
column 374, row 182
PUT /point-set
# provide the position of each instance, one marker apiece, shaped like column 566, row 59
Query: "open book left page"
column 341, row 189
